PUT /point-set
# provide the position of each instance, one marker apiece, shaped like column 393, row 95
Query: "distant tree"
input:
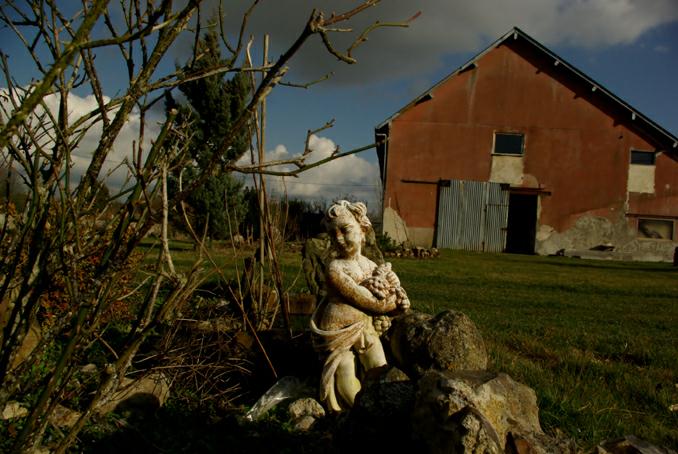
column 218, row 205
column 213, row 103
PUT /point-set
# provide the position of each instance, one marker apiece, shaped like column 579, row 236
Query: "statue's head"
column 347, row 223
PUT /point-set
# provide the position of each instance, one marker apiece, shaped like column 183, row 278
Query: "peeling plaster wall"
column 397, row 229
column 394, row 226
column 641, row 179
column 507, row 169
column 590, row 231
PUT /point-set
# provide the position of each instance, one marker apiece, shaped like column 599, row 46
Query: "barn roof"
column 664, row 140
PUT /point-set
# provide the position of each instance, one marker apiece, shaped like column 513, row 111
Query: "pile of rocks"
column 416, row 252
column 438, row 397
column 445, row 399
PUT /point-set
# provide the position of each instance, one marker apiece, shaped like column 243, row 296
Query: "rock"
column 39, row 450
column 29, row 343
column 315, row 253
column 89, row 369
column 630, row 445
column 306, row 407
column 304, row 412
column 539, row 443
column 380, row 419
column 146, row 393
column 244, row 339
column 64, row 417
column 448, row 341
column 13, row 410
column 303, row 424
column 468, row 432
column 508, row 406
column 238, row 240
column 393, row 374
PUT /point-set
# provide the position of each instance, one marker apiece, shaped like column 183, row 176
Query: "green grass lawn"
column 596, row 340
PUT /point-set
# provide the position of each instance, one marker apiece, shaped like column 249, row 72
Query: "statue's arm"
column 357, row 295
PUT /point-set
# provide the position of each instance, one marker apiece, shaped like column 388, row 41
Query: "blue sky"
column 629, row 46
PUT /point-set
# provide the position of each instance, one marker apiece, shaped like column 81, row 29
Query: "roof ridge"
column 664, row 137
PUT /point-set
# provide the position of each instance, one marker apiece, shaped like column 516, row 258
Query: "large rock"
column 448, row 341
column 146, row 394
column 380, row 419
column 454, row 410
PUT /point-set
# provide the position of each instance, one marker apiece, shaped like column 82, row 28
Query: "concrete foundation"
column 591, row 231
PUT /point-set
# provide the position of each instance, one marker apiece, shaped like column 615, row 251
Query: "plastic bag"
column 286, row 388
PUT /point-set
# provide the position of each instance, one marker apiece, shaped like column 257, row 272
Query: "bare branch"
column 333, row 19
column 57, row 68
column 307, row 84
column 299, row 162
column 309, row 133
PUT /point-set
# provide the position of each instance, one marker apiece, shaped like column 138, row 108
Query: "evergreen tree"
column 214, row 102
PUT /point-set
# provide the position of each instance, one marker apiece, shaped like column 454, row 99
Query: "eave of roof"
column 660, row 134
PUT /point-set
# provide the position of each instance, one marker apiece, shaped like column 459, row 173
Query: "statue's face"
column 348, row 235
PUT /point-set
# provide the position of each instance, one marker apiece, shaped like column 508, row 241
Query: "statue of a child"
column 358, row 291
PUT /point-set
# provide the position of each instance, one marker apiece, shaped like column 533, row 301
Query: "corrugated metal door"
column 472, row 215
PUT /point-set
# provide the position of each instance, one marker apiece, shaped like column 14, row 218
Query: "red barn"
column 519, row 151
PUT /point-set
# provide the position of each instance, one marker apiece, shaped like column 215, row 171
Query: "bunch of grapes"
column 381, row 323
column 384, row 283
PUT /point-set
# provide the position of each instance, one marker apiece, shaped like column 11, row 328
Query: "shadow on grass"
column 609, row 265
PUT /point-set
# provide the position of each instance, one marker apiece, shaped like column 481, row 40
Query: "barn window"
column 645, row 158
column 658, row 229
column 508, row 143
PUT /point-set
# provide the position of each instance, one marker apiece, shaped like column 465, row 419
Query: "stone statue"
column 360, row 294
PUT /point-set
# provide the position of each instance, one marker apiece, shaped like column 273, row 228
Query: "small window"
column 507, row 143
column 658, row 229
column 643, row 158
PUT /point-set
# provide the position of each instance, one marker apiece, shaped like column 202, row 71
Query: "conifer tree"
column 212, row 103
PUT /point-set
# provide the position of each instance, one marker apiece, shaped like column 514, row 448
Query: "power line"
column 334, row 184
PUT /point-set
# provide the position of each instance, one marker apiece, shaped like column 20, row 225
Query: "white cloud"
column 450, row 26
column 114, row 171
column 351, row 176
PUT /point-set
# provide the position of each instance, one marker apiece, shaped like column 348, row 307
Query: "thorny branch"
column 68, row 247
